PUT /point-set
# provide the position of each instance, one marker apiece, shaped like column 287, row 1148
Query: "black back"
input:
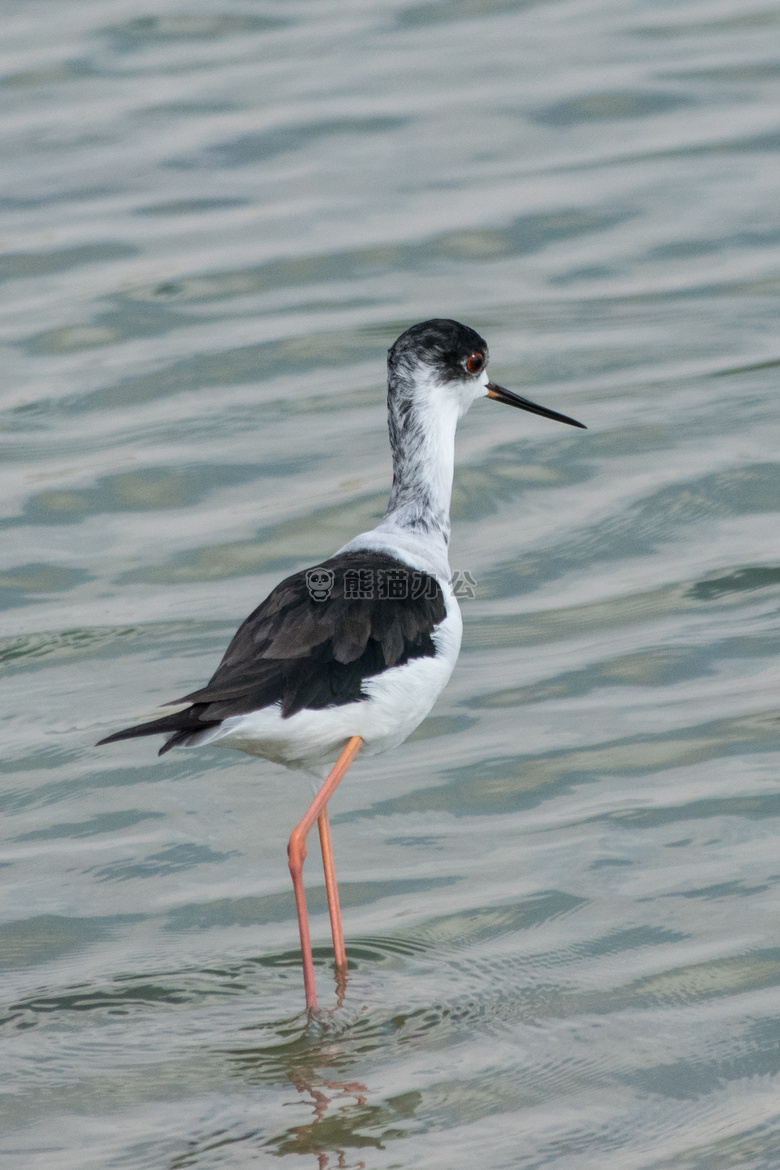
column 304, row 653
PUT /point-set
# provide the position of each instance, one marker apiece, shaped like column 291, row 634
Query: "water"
column 560, row 896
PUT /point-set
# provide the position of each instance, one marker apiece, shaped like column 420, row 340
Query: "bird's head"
column 446, row 358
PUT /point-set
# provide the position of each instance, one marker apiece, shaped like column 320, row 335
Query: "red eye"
column 475, row 363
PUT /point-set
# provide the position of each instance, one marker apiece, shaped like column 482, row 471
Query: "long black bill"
column 500, row 394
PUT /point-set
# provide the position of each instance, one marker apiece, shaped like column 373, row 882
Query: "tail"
column 185, row 726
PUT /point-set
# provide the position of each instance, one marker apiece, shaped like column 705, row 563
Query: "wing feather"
column 303, row 653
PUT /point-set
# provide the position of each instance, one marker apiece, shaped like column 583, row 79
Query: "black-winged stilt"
column 351, row 655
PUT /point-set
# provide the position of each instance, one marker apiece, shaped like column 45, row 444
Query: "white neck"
column 422, row 419
column 422, row 416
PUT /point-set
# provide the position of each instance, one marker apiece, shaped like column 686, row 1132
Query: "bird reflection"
column 323, row 1162
column 342, row 1121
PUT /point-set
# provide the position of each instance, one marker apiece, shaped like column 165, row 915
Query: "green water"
column 560, row 896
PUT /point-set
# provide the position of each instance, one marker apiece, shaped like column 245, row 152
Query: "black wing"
column 304, row 653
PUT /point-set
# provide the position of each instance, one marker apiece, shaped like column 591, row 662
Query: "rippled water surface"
column 560, row 895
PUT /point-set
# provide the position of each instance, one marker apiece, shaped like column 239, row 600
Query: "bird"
column 350, row 655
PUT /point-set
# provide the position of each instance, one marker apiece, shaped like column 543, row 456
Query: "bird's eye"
column 475, row 363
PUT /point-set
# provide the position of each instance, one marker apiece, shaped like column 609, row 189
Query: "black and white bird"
column 351, row 655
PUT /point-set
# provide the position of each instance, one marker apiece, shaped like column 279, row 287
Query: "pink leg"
column 296, row 853
column 334, row 909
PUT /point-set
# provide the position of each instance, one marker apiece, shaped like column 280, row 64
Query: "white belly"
column 398, row 700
